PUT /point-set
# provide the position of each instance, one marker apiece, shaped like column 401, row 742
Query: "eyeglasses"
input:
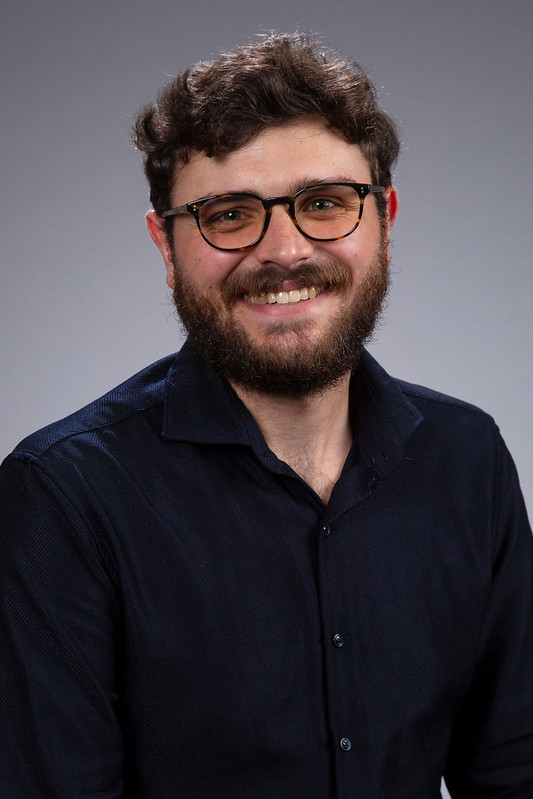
column 235, row 221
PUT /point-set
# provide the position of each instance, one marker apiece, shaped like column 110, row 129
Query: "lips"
column 272, row 284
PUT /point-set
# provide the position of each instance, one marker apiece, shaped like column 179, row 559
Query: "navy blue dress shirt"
column 183, row 618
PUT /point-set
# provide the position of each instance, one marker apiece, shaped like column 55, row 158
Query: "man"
column 262, row 568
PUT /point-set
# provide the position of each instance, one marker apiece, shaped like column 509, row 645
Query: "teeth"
column 283, row 297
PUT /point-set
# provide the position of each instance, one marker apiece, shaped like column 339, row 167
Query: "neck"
column 312, row 434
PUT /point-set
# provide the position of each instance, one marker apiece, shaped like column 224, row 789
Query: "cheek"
column 352, row 252
column 209, row 269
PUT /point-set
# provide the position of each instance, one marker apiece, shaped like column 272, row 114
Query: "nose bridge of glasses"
column 269, row 202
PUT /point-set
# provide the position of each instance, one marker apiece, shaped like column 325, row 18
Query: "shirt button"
column 338, row 640
column 326, row 529
column 346, row 744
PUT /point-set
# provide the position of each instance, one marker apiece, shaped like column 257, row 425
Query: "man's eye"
column 322, row 204
column 232, row 215
column 216, row 215
column 226, row 216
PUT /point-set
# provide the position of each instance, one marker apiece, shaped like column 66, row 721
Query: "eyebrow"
column 295, row 186
column 303, row 183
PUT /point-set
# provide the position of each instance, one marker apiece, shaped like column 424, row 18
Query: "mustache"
column 325, row 275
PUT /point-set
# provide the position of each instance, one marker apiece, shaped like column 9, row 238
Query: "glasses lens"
column 232, row 221
column 328, row 212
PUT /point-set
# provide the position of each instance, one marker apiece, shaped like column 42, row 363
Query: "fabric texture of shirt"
column 182, row 616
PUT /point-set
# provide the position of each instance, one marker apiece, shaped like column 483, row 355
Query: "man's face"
column 288, row 348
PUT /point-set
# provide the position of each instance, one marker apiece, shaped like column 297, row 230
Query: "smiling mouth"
column 283, row 297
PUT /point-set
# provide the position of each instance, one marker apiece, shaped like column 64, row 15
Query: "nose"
column 283, row 244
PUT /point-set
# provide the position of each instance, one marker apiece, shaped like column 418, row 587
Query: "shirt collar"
column 201, row 407
column 386, row 417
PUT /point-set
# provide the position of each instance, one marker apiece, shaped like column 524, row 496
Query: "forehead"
column 278, row 158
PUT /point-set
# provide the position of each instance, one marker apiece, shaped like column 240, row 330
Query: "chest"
column 261, row 626
column 240, row 580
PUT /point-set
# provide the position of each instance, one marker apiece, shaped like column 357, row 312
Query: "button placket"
column 330, row 550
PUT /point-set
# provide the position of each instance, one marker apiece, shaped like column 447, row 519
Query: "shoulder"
column 435, row 404
column 451, row 417
column 430, row 412
column 424, row 397
column 457, row 435
column 461, row 453
column 129, row 403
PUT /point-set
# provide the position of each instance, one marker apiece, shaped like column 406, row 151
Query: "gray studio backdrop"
column 83, row 298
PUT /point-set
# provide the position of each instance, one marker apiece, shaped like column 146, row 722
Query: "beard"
column 291, row 362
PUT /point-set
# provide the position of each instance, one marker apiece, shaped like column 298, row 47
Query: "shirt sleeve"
column 491, row 753
column 60, row 735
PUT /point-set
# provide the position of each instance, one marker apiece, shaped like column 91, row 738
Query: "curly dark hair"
column 216, row 107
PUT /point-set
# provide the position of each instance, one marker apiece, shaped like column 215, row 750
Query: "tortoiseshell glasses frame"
column 237, row 221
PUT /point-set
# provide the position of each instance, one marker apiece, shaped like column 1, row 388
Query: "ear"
column 391, row 196
column 156, row 229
